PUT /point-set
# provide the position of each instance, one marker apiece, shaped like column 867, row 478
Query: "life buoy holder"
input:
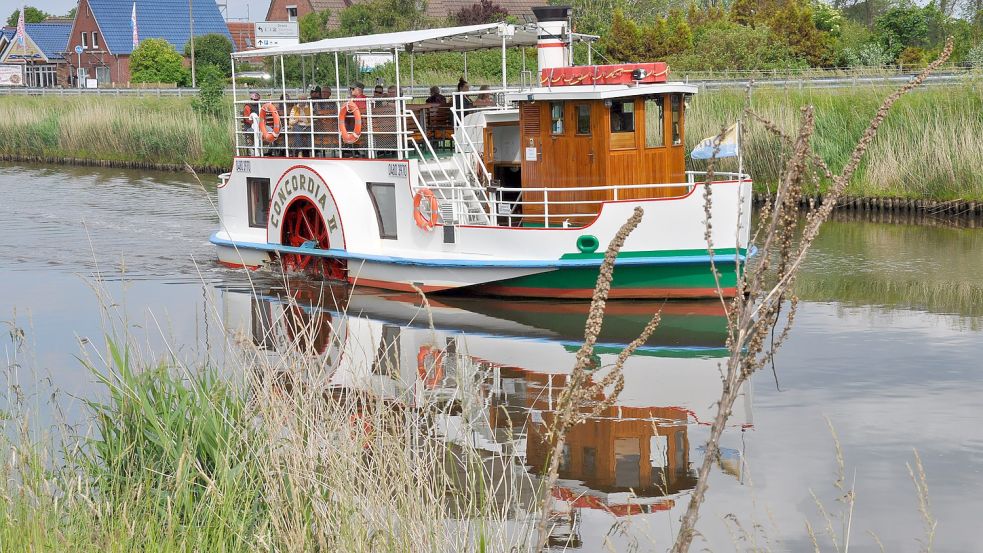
column 269, row 135
column 430, row 366
column 425, row 197
column 350, row 136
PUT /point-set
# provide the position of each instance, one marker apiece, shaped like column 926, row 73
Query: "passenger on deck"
column 358, row 94
column 484, row 100
column 392, row 91
column 435, row 96
column 358, row 97
column 252, row 107
column 462, row 86
column 278, row 147
column 379, row 91
column 325, row 123
column 300, row 128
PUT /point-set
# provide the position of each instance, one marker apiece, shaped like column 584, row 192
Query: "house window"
column 677, row 115
column 623, row 116
column 655, row 123
column 556, row 117
column 95, row 40
column 384, row 200
column 102, row 75
column 583, row 119
column 291, row 13
column 85, row 40
column 258, row 196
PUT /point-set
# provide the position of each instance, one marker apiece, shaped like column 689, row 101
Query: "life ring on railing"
column 424, row 221
column 433, row 374
column 350, row 136
column 269, row 135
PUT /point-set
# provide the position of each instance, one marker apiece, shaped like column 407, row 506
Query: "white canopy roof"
column 598, row 92
column 447, row 39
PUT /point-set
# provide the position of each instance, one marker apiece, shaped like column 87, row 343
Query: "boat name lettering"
column 397, row 170
column 243, row 166
column 292, row 185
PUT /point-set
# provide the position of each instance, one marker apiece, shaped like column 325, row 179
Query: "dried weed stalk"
column 576, row 402
column 764, row 286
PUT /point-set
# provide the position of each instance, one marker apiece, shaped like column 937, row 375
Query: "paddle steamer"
column 512, row 191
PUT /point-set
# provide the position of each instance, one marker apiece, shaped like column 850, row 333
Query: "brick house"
column 104, row 30
column 42, row 55
column 292, row 10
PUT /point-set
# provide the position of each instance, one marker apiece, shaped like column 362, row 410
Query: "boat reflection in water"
column 635, row 457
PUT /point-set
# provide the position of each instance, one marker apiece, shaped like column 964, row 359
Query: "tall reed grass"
column 140, row 130
column 927, row 148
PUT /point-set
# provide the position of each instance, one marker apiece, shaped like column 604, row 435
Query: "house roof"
column 50, row 38
column 243, row 34
column 166, row 19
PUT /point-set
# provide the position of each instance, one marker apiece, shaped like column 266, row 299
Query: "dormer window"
column 291, row 13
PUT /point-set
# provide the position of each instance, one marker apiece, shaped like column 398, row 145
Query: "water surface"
column 886, row 346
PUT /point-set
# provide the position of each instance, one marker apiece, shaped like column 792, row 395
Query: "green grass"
column 272, row 459
column 928, row 147
column 148, row 130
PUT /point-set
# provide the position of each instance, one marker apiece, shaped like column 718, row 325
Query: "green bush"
column 211, row 89
column 212, row 49
column 156, row 61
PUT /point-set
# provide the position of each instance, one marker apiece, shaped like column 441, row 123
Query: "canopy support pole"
column 303, row 72
column 337, row 77
column 235, row 115
column 286, row 134
column 398, row 108
column 412, row 79
column 504, row 68
column 465, row 65
column 590, row 53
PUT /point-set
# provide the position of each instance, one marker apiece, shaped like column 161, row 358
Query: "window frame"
column 554, row 120
column 576, row 113
column 621, row 114
column 369, row 188
column 251, row 214
column 95, row 40
column 676, row 118
column 659, row 100
column 292, row 16
column 85, row 40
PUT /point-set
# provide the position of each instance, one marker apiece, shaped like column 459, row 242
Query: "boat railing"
column 469, row 130
column 567, row 206
column 313, row 128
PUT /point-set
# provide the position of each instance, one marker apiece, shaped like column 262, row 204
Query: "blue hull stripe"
column 476, row 263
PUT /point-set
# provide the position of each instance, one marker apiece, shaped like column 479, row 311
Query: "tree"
column 902, row 26
column 156, row 61
column 793, row 23
column 314, row 26
column 624, row 40
column 31, row 15
column 725, row 45
column 211, row 91
column 212, row 49
column 380, row 16
column 482, row 11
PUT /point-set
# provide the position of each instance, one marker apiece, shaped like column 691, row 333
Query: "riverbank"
column 927, row 149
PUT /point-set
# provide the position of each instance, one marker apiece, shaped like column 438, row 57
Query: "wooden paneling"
column 602, row 158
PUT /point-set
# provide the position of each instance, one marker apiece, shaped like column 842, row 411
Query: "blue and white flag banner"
column 728, row 145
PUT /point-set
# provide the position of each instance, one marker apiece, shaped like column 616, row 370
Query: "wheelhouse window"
column 677, row 116
column 556, row 117
column 583, row 118
column 655, row 122
column 258, row 195
column 384, row 200
column 623, row 116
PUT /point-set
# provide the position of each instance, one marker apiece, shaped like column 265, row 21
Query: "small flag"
column 133, row 21
column 727, row 146
column 21, row 32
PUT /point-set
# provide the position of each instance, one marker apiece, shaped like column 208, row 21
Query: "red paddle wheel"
column 303, row 226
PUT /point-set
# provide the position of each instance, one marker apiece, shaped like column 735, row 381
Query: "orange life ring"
column 269, row 135
column 350, row 136
column 432, row 376
column 422, row 221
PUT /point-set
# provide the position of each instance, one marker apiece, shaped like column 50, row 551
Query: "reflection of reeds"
column 928, row 148
column 142, row 130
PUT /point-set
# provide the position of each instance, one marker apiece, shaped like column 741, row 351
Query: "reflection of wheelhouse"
column 642, row 449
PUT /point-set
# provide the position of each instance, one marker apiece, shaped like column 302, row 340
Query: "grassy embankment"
column 181, row 459
column 927, row 148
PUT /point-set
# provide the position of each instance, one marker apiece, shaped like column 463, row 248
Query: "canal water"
column 886, row 350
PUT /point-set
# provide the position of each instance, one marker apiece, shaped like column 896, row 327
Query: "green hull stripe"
column 629, row 276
